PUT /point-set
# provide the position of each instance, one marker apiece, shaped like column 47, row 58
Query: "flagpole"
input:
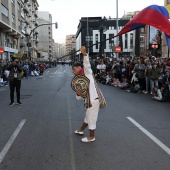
column 117, row 25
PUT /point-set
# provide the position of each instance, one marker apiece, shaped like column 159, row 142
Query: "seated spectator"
column 124, row 83
column 116, row 82
column 102, row 78
column 166, row 80
column 108, row 77
column 157, row 95
column 3, row 83
column 165, row 93
column 135, row 87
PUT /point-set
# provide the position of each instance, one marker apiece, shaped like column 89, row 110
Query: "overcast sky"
column 68, row 12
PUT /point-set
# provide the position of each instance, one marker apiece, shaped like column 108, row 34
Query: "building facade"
column 10, row 27
column 92, row 30
column 45, row 35
column 70, row 45
column 17, row 23
column 60, row 50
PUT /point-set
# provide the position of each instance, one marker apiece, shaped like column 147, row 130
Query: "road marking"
column 157, row 141
column 11, row 140
column 70, row 134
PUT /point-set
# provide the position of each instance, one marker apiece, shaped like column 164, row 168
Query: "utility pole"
column 88, row 36
column 102, row 28
column 117, row 28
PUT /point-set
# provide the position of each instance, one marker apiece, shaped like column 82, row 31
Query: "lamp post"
column 28, row 37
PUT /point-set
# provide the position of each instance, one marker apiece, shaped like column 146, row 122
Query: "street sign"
column 118, row 49
column 1, row 50
column 19, row 56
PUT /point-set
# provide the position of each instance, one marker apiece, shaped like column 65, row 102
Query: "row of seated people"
column 133, row 85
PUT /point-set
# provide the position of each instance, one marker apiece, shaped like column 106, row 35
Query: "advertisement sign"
column 154, row 35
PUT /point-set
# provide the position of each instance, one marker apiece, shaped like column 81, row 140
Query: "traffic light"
column 56, row 25
column 154, row 46
column 38, row 55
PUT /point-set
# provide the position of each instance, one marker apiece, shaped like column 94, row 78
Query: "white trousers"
column 92, row 115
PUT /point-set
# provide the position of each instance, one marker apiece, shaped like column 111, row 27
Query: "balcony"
column 27, row 20
column 37, row 40
column 36, row 14
column 28, row 3
column 26, row 8
column 27, row 31
column 36, row 32
column 36, row 7
column 36, row 23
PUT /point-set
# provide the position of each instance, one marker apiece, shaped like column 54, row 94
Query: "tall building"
column 70, row 44
column 60, row 50
column 45, row 35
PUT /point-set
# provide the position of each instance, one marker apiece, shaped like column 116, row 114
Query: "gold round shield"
column 80, row 82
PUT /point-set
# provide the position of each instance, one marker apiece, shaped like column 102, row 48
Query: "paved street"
column 133, row 132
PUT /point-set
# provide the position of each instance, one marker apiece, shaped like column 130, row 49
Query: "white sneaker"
column 78, row 132
column 86, row 140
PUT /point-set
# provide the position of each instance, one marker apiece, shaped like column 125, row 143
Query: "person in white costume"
column 91, row 115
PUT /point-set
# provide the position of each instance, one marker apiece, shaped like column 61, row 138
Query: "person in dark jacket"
column 15, row 81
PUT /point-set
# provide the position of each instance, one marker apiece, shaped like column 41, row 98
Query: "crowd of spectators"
column 147, row 75
column 29, row 69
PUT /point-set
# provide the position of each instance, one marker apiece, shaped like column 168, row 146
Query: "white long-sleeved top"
column 89, row 74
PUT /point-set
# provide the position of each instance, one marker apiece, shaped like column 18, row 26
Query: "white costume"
column 92, row 112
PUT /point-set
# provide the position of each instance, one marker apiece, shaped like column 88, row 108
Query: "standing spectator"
column 102, row 67
column 140, row 70
column 147, row 79
column 154, row 75
column 15, row 81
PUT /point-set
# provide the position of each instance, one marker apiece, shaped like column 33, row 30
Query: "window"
column 13, row 18
column 141, row 47
column 4, row 11
column 131, row 40
column 142, row 30
column 18, row 6
column 126, row 40
column 96, row 39
column 142, row 39
column 19, row 24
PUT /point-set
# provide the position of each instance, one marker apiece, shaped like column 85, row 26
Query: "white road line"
column 157, row 141
column 72, row 157
column 11, row 140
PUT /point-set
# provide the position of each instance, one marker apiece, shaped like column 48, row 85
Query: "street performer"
column 91, row 101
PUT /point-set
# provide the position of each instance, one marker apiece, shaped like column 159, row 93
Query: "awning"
column 20, row 56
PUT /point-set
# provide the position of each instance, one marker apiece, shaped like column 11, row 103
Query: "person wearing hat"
column 92, row 107
column 15, row 81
